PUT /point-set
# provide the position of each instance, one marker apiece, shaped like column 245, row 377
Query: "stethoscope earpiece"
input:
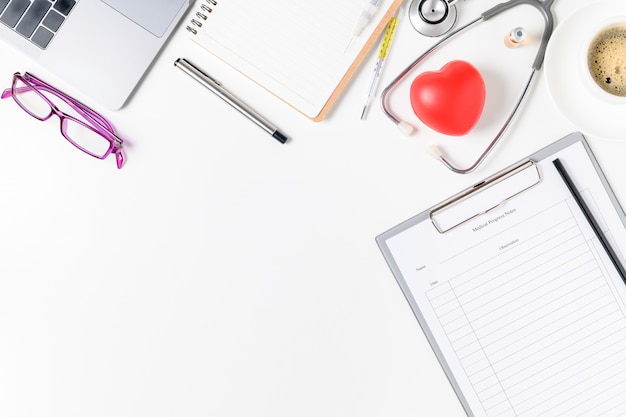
column 434, row 151
column 405, row 128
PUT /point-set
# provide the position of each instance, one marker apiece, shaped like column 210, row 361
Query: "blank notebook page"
column 295, row 50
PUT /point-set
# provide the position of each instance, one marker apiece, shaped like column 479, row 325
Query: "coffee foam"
column 607, row 60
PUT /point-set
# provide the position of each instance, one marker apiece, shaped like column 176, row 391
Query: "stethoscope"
column 440, row 10
column 432, row 17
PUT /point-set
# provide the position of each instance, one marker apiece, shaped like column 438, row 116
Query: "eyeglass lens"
column 75, row 131
column 31, row 101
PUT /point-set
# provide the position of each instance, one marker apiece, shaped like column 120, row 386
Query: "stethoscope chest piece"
column 432, row 17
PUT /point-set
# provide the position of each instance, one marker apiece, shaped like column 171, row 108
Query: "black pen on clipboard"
column 592, row 221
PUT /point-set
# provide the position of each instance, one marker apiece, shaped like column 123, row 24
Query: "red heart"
column 450, row 100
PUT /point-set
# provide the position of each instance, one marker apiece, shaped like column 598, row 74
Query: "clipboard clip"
column 485, row 196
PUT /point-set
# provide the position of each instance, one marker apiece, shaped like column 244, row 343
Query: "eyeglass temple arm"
column 120, row 157
column 6, row 93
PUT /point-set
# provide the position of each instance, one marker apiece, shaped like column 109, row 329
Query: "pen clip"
column 186, row 64
column 213, row 80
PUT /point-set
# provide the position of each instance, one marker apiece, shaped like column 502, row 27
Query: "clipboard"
column 496, row 274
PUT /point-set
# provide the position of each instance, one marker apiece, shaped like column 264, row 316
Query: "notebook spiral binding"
column 201, row 15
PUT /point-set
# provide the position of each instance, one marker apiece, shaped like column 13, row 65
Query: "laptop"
column 100, row 47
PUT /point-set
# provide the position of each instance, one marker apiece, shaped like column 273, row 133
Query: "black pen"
column 592, row 221
column 215, row 87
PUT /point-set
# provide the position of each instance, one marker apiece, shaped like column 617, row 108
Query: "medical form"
column 521, row 304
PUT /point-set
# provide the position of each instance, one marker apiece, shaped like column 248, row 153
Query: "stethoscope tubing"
column 544, row 7
column 496, row 139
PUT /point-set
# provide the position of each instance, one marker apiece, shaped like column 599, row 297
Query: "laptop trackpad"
column 153, row 15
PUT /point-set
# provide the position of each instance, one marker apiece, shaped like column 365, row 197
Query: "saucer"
column 575, row 99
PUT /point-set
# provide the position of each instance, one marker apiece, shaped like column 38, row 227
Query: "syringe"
column 364, row 18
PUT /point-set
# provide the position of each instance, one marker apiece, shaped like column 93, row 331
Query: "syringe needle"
column 364, row 18
column 349, row 43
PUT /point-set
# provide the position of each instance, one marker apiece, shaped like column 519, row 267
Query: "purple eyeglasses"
column 86, row 129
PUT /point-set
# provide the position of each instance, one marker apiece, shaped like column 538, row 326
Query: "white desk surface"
column 220, row 273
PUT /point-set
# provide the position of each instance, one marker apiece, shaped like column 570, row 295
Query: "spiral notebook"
column 304, row 53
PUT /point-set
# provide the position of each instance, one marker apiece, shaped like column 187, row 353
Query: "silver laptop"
column 101, row 47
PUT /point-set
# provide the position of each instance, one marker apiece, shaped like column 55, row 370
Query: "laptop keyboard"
column 36, row 20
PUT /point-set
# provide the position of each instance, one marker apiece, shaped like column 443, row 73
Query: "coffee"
column 606, row 59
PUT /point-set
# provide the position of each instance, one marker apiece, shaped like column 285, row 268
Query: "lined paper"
column 296, row 50
column 522, row 305
column 524, row 324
